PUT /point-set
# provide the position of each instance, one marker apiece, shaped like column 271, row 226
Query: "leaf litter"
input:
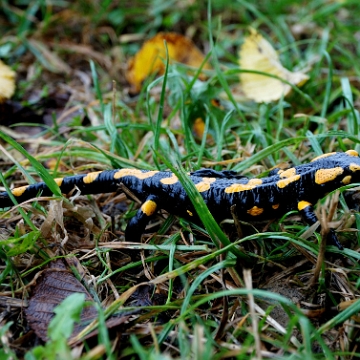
column 82, row 228
column 7, row 82
column 151, row 57
column 53, row 285
column 257, row 54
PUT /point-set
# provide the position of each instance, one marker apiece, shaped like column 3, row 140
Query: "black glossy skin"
column 263, row 201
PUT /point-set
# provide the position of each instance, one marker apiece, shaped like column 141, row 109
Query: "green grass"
column 201, row 306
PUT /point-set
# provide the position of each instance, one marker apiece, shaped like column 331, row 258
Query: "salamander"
column 255, row 199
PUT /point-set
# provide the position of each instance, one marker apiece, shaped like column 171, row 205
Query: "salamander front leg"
column 137, row 224
column 307, row 211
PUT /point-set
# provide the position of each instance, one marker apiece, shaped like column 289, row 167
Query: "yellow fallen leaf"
column 7, row 82
column 257, row 54
column 150, row 58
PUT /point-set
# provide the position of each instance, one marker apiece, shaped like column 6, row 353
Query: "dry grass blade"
column 50, row 59
column 254, row 319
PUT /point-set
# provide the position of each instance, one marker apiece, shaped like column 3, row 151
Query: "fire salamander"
column 296, row 188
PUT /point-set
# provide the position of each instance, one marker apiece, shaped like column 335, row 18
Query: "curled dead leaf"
column 257, row 54
column 7, row 82
column 151, row 57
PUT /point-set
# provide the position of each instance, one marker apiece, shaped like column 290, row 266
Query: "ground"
column 185, row 291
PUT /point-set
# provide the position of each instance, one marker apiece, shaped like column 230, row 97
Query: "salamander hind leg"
column 307, row 212
column 137, row 224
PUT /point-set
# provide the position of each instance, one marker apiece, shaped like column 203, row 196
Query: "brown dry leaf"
column 7, row 82
column 53, row 286
column 257, row 54
column 198, row 127
column 150, row 58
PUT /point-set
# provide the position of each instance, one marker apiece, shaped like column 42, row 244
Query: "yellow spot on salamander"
column 255, row 182
column 275, row 206
column 346, row 180
column 19, row 191
column 303, row 204
column 255, row 211
column 59, row 181
column 201, row 186
column 285, row 182
column 354, row 167
column 323, row 156
column 288, row 173
column 205, row 184
column 141, row 175
column 148, row 207
column 238, row 188
column 252, row 183
column 91, row 177
column 352, row 153
column 323, row 176
column 189, row 212
column 170, row 180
